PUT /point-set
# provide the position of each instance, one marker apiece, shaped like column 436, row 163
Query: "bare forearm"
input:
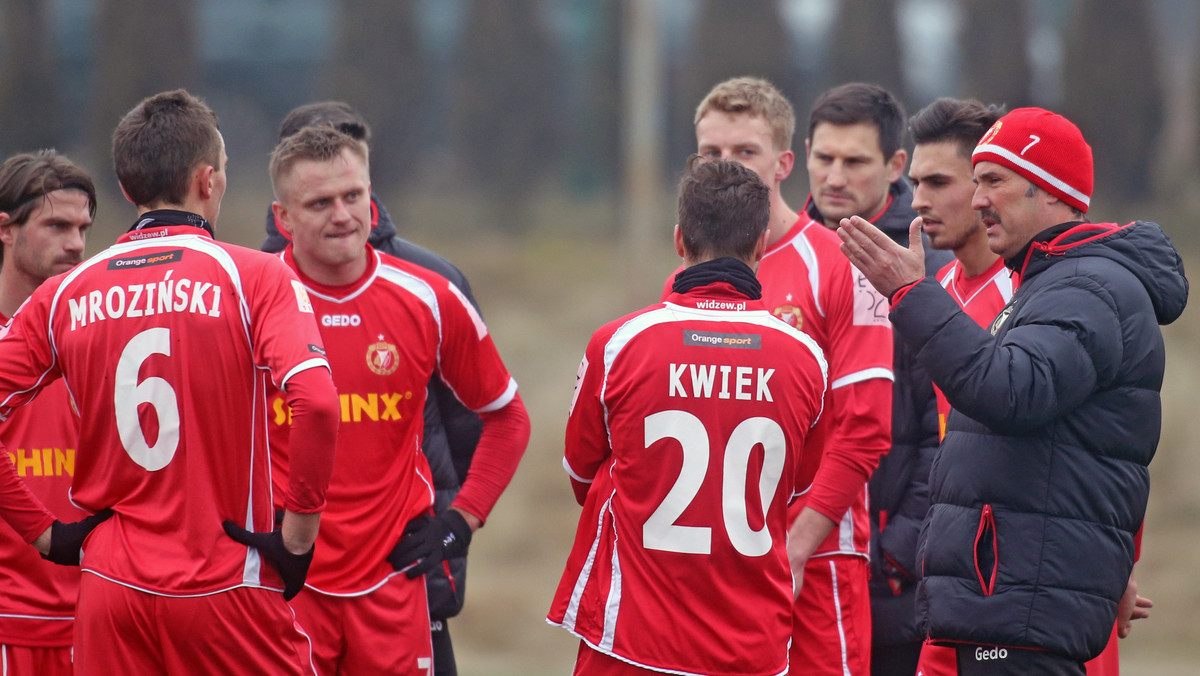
column 300, row 531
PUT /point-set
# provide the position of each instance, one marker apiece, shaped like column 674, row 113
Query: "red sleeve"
column 859, row 437
column 18, row 506
column 587, row 444
column 501, row 445
column 315, row 417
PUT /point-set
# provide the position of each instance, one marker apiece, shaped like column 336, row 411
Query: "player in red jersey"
column 46, row 206
column 808, row 284
column 684, row 444
column 945, row 133
column 389, row 325
column 166, row 342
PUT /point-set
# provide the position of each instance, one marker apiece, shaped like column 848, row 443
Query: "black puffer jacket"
column 451, row 430
column 1041, row 481
column 899, row 487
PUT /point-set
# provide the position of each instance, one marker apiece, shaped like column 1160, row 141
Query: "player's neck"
column 331, row 275
column 783, row 218
column 975, row 257
column 15, row 287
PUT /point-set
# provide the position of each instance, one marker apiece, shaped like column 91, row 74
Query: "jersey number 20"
column 155, row 392
column 660, row 530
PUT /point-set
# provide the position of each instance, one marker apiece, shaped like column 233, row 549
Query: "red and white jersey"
column 38, row 603
column 385, row 335
column 166, row 342
column 689, row 421
column 808, row 283
column 982, row 297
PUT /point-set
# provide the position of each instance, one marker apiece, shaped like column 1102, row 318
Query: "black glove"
column 66, row 539
column 293, row 568
column 428, row 540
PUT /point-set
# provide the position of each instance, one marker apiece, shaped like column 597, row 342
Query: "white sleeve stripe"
column 573, row 474
column 860, row 376
column 302, row 366
column 503, row 400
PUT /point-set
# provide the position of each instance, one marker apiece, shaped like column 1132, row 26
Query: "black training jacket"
column 1041, row 481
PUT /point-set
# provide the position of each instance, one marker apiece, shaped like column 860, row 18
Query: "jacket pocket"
column 987, row 559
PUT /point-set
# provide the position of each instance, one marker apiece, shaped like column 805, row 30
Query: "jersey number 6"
column 660, row 530
column 129, row 395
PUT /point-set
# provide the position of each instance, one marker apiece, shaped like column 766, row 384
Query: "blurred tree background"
column 516, row 136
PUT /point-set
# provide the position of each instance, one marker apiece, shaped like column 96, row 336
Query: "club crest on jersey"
column 789, row 314
column 1000, row 319
column 383, row 358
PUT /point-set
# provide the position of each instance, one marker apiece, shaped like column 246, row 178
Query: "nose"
column 919, row 199
column 74, row 241
column 979, row 200
column 836, row 176
column 341, row 214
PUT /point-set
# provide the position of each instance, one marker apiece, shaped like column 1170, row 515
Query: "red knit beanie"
column 1045, row 148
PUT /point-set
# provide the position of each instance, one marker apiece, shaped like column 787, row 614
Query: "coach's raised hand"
column 886, row 265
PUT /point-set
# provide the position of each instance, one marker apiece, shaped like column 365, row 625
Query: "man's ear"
column 281, row 219
column 8, row 229
column 895, row 165
column 760, row 247
column 784, row 165
column 204, row 180
column 679, row 249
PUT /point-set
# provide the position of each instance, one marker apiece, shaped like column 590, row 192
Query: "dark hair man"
column 1036, row 497
column 46, row 207
column 715, row 427
column 451, row 430
column 166, row 341
column 855, row 159
column 362, row 614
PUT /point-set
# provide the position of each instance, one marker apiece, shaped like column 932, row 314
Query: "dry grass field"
column 543, row 293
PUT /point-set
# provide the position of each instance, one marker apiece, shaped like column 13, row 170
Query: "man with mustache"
column 46, row 207
column 1041, row 481
column 945, row 133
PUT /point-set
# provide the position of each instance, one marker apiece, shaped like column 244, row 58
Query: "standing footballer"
column 683, row 445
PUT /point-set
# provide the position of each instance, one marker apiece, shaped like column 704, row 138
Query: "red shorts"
column 383, row 632
column 831, row 633
column 119, row 630
column 591, row 662
column 19, row 660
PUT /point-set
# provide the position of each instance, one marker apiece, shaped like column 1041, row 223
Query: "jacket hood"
column 1140, row 247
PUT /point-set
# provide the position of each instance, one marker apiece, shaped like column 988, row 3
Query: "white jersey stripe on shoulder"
column 860, row 376
column 809, row 255
column 1003, row 282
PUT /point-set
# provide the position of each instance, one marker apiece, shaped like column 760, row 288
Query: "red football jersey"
column 689, row 420
column 981, row 297
column 166, row 342
column 38, row 603
column 385, row 335
column 808, row 283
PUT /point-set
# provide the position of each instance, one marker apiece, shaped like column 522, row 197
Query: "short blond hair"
column 320, row 143
column 756, row 97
